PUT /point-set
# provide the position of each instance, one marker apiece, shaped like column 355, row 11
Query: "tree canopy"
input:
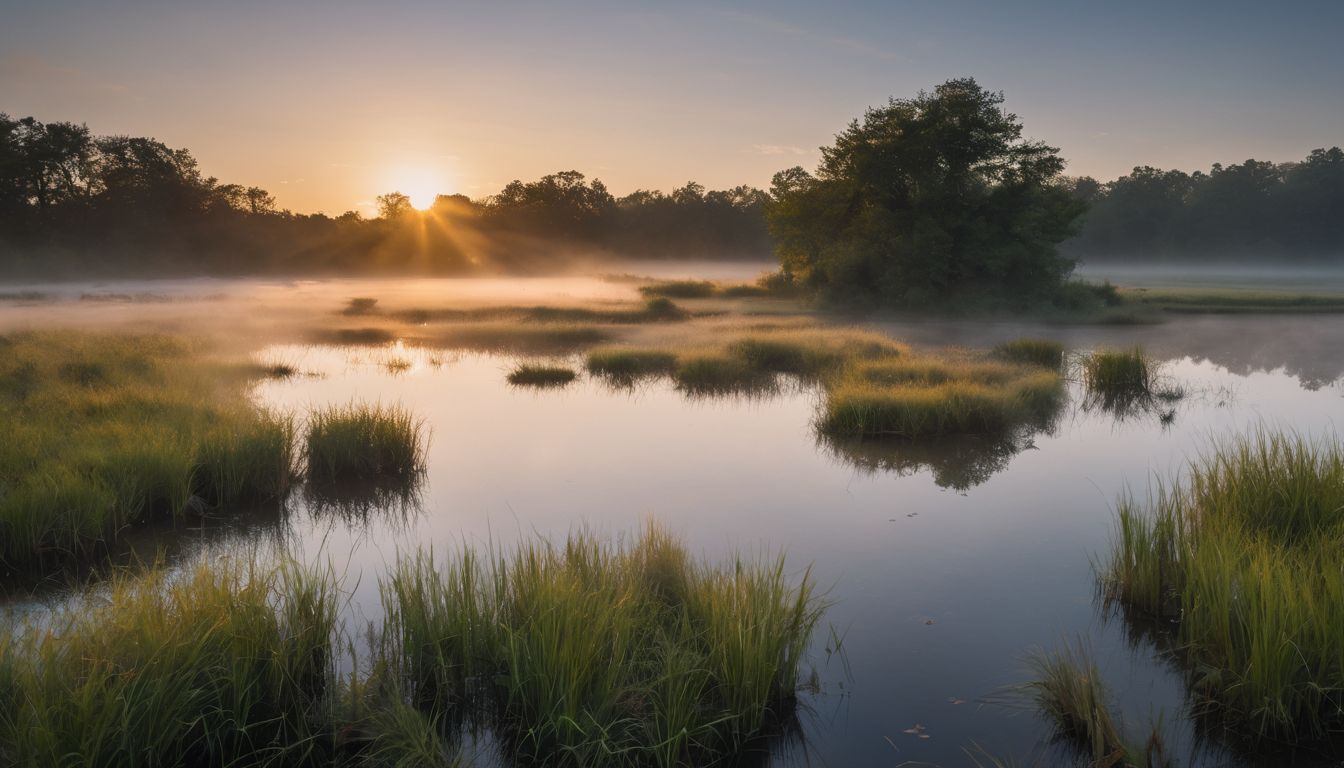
column 1254, row 209
column 924, row 199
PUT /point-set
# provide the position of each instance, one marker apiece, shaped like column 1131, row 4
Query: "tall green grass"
column 105, row 432
column 227, row 664
column 1068, row 691
column 590, row 653
column 362, row 442
column 1043, row 352
column 1244, row 557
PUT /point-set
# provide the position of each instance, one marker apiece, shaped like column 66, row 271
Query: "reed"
column 536, row 375
column 106, row 432
column 1043, row 352
column 227, row 664
column 1243, row 558
column 363, row 442
column 593, row 653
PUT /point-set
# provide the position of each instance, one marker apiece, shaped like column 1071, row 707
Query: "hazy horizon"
column 329, row 105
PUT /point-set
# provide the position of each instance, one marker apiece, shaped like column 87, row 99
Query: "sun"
column 422, row 185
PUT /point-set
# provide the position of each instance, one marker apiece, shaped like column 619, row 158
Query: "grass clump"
column 534, row 375
column 627, row 364
column 520, row 338
column 361, row 443
column 590, row 653
column 715, row 373
column 1068, row 691
column 108, row 432
column 227, row 664
column 1042, row 352
column 927, row 398
column 1243, row 558
column 1126, row 382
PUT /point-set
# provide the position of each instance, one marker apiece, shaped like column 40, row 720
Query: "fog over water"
column 946, row 564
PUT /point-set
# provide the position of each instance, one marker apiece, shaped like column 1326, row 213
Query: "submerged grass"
column 519, row 338
column 1243, row 557
column 628, row 364
column 537, row 375
column 105, row 432
column 590, row 653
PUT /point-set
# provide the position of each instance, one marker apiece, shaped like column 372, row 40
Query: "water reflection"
column 958, row 463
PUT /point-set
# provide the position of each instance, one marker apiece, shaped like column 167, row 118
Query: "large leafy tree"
column 924, row 199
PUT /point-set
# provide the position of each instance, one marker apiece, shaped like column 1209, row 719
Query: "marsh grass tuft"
column 537, row 375
column 592, row 650
column 1042, row 352
column 624, row 365
column 1126, row 382
column 1243, row 557
column 226, row 664
column 1068, row 691
column 362, row 442
column 105, row 432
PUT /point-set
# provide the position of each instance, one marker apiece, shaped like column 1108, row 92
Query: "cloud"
column 853, row 45
column 779, row 149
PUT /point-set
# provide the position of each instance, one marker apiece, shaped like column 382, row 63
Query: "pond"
column 946, row 564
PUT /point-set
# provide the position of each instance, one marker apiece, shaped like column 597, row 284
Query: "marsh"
column 943, row 562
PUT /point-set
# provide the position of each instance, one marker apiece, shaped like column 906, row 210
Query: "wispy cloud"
column 853, row 45
column 779, row 149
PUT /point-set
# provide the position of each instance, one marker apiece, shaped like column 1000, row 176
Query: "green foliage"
column 105, row 432
column 588, row 653
column 533, row 375
column 628, row 364
column 1251, row 209
column 226, row 665
column 927, row 198
column 361, row 442
column 1069, row 692
column 1043, row 352
column 1243, row 557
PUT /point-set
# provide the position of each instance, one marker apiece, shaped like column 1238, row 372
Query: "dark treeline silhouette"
column 72, row 203
column 1254, row 210
column 880, row 216
column 928, row 199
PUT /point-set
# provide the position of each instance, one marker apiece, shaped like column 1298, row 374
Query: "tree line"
column 1253, row 210
column 74, row 202
column 922, row 199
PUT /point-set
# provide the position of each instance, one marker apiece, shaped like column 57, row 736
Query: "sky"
column 328, row 104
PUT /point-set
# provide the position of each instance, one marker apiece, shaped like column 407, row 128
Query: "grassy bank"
column 581, row 653
column 106, row 432
column 591, row 653
column 1243, row 558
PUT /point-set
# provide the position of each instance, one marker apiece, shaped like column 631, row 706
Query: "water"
column 942, row 579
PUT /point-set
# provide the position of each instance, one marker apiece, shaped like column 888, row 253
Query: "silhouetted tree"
column 393, row 206
column 926, row 198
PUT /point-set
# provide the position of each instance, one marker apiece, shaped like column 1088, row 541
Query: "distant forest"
column 1253, row 211
column 72, row 203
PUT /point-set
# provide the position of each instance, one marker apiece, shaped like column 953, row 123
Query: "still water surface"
column 942, row 578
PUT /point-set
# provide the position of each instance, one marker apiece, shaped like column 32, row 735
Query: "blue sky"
column 330, row 103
